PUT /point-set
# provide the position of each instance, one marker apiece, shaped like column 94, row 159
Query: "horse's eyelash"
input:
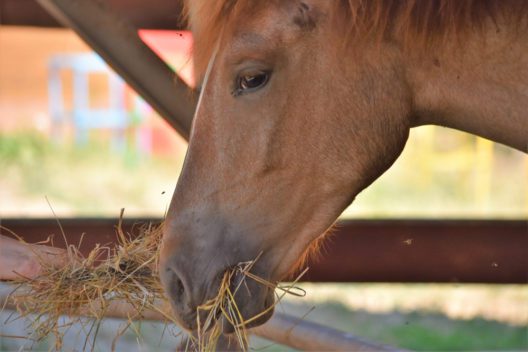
column 236, row 92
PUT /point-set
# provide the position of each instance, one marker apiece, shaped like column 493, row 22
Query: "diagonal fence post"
column 119, row 44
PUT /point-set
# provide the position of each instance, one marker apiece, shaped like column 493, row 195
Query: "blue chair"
column 84, row 118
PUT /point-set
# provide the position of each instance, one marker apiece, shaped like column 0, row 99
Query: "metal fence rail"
column 465, row 251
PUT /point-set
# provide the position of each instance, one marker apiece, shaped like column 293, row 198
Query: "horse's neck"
column 480, row 88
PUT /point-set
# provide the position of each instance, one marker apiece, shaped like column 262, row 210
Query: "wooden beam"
column 117, row 41
column 152, row 14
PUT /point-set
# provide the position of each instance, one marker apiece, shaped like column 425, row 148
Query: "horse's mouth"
column 231, row 301
column 252, row 306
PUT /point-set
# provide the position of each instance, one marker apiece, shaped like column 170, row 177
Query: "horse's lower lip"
column 188, row 322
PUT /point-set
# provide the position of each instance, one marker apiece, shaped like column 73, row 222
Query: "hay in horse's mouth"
column 223, row 309
column 86, row 287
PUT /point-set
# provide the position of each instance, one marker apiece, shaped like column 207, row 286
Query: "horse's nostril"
column 176, row 286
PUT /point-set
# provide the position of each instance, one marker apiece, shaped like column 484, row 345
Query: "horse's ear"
column 305, row 15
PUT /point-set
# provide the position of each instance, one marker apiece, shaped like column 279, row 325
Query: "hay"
column 85, row 288
column 224, row 305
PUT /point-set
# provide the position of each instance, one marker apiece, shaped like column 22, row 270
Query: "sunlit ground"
column 505, row 304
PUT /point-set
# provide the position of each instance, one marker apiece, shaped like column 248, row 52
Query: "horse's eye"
column 249, row 82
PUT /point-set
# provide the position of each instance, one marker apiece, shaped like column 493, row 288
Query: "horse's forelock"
column 208, row 20
column 415, row 22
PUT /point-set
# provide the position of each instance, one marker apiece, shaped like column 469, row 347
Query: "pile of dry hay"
column 86, row 287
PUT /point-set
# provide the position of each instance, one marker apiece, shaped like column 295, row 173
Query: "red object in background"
column 164, row 140
column 175, row 48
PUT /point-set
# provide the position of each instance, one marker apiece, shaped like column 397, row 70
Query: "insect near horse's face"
column 285, row 135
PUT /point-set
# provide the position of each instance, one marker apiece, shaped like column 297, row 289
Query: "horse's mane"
column 416, row 22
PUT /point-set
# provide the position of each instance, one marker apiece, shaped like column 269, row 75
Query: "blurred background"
column 73, row 132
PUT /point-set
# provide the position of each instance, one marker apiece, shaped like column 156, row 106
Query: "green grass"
column 90, row 181
column 422, row 331
column 440, row 174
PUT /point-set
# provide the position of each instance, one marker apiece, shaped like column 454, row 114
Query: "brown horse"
column 304, row 103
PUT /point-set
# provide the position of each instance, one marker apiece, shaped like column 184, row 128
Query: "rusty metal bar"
column 119, row 44
column 465, row 251
column 152, row 14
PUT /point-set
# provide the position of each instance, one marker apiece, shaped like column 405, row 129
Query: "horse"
column 304, row 103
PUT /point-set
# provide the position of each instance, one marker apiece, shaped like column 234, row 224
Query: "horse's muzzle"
column 254, row 301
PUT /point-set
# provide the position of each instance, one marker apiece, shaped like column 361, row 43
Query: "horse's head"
column 290, row 126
